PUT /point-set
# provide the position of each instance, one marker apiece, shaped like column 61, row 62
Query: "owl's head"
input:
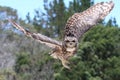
column 70, row 42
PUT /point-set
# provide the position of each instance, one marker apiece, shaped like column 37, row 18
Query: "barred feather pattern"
column 79, row 23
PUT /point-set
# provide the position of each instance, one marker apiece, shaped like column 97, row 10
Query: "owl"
column 76, row 26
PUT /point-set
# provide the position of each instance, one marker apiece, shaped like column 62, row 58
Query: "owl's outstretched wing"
column 79, row 23
column 39, row 37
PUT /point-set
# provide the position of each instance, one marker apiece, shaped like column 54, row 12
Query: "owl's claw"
column 65, row 64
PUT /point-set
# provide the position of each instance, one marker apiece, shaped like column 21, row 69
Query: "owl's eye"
column 66, row 41
column 73, row 41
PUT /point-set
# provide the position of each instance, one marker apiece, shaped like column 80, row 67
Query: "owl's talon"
column 67, row 67
column 65, row 64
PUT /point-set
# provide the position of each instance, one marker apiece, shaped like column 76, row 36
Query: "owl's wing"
column 39, row 37
column 79, row 23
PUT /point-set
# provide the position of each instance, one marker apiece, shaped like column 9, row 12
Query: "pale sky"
column 25, row 6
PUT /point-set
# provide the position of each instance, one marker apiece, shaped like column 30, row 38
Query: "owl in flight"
column 76, row 26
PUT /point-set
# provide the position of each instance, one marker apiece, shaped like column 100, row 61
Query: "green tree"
column 5, row 14
column 7, row 43
column 53, row 20
column 80, row 5
column 112, row 22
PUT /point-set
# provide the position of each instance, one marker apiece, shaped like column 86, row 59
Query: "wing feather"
column 37, row 36
column 79, row 23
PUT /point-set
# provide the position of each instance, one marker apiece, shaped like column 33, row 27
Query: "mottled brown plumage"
column 75, row 27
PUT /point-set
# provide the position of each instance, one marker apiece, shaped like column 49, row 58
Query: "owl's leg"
column 64, row 62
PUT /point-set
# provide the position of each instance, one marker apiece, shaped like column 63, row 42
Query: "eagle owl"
column 76, row 26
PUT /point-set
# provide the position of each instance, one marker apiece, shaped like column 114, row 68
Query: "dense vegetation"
column 98, row 56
